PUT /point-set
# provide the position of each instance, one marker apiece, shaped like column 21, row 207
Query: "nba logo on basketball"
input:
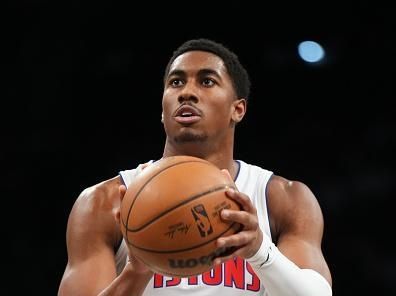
column 189, row 250
column 202, row 220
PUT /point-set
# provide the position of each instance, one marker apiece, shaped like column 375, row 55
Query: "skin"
column 198, row 79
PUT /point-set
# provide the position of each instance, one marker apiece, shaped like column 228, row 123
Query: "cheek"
column 166, row 103
column 166, row 110
column 220, row 109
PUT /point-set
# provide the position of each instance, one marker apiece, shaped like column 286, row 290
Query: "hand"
column 122, row 190
column 248, row 241
column 136, row 265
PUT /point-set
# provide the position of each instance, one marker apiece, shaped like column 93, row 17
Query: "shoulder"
column 100, row 196
column 293, row 206
column 94, row 210
column 291, row 190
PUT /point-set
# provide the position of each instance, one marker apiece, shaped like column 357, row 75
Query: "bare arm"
column 297, row 224
column 92, row 234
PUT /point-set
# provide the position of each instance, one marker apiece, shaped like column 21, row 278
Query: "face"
column 199, row 99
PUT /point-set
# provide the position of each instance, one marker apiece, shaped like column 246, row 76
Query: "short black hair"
column 239, row 76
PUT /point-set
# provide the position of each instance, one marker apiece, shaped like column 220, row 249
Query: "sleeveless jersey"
column 232, row 278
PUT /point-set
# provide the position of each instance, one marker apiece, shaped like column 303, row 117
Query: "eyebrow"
column 201, row 72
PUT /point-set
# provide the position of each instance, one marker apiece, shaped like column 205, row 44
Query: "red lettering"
column 213, row 277
column 173, row 282
column 193, row 280
column 158, row 280
column 255, row 285
column 234, row 273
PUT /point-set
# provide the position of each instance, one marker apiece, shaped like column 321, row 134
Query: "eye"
column 175, row 82
column 208, row 82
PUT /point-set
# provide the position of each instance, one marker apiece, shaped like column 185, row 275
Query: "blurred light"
column 310, row 51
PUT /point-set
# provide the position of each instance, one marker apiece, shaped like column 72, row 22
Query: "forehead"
column 195, row 60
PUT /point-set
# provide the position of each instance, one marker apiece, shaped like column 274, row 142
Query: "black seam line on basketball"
column 186, row 249
column 144, row 185
column 161, row 271
column 178, row 205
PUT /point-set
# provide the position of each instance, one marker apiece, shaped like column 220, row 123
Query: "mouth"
column 187, row 114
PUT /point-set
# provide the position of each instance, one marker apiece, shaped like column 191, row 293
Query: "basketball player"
column 277, row 253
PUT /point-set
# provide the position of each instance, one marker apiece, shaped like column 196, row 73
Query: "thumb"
column 122, row 190
column 117, row 211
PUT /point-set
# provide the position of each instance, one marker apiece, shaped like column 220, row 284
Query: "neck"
column 222, row 157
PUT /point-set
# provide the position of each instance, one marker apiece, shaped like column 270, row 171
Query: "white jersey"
column 232, row 278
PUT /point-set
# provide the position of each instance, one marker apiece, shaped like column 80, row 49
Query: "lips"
column 187, row 114
column 187, row 110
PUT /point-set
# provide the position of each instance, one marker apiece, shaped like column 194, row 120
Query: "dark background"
column 83, row 85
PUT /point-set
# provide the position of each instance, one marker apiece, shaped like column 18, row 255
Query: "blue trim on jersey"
column 239, row 169
column 266, row 200
column 122, row 179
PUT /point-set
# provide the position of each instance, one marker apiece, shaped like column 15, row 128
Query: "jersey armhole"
column 273, row 237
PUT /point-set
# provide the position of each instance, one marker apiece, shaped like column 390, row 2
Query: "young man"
column 278, row 252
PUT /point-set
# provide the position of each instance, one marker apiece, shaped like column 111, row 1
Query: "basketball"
column 170, row 215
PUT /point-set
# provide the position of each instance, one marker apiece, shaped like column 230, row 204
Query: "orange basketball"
column 170, row 215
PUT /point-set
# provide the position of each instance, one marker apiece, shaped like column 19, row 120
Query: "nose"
column 188, row 93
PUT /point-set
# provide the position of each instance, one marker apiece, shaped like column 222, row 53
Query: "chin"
column 190, row 138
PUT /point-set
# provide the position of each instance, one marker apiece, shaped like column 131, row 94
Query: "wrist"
column 282, row 277
column 128, row 282
column 131, row 270
column 264, row 254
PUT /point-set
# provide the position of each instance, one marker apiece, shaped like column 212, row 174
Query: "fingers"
column 239, row 252
column 236, row 240
column 220, row 260
column 117, row 211
column 241, row 199
column 122, row 190
column 117, row 215
column 248, row 220
column 244, row 244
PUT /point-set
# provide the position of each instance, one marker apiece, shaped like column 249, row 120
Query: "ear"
column 238, row 110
